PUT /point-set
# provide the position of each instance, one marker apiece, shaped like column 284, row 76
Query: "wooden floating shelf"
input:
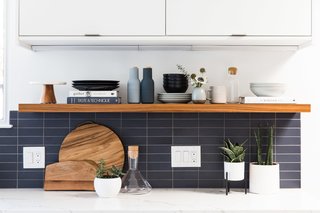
column 254, row 108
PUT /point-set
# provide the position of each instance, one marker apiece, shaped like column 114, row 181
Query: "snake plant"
column 269, row 152
column 233, row 152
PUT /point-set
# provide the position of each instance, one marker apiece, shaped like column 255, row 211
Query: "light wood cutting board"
column 93, row 142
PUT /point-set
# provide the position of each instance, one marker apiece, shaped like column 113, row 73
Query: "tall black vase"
column 147, row 87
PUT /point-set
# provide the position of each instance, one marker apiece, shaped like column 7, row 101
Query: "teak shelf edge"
column 254, row 108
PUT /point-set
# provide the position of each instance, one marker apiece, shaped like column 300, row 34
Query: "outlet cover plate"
column 185, row 156
column 33, row 157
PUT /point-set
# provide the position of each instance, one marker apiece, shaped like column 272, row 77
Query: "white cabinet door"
column 249, row 17
column 80, row 17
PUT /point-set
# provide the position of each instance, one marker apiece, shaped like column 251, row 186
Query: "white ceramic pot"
column 107, row 187
column 199, row 95
column 235, row 171
column 264, row 179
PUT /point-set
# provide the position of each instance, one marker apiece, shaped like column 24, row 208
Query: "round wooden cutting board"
column 93, row 142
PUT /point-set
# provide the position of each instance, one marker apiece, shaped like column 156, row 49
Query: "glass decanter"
column 133, row 182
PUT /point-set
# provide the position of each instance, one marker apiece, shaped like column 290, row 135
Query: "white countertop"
column 158, row 200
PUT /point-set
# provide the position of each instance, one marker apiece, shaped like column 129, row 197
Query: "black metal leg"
column 245, row 186
column 227, row 184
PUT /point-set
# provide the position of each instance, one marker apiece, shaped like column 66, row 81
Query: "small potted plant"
column 107, row 182
column 234, row 164
column 264, row 174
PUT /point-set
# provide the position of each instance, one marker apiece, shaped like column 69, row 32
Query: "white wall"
column 297, row 69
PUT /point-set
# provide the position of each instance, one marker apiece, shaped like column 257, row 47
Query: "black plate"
column 94, row 87
column 97, row 84
column 94, row 81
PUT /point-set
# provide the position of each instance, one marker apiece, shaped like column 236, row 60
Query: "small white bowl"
column 268, row 89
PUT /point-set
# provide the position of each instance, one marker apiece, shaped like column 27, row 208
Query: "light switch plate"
column 33, row 157
column 185, row 156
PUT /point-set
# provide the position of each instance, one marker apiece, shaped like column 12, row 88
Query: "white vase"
column 235, row 171
column 199, row 95
column 107, row 187
column 264, row 179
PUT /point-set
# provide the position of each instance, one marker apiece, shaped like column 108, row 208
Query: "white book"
column 93, row 93
column 267, row 100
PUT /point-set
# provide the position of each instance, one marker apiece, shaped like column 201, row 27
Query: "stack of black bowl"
column 175, row 83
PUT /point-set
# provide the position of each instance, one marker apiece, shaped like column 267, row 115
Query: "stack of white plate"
column 174, row 97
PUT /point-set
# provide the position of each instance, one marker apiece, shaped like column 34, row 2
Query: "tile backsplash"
column 155, row 133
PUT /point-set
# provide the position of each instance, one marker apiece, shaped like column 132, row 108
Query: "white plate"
column 174, row 93
column 175, row 101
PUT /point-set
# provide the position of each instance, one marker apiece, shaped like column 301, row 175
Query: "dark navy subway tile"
column 74, row 123
column 8, row 166
column 25, row 175
column 133, row 123
column 290, row 184
column 52, row 149
column 129, row 132
column 217, row 157
column 185, row 183
column 13, row 115
column 57, row 115
column 9, row 132
column 290, row 166
column 20, row 168
column 57, row 141
column 211, row 166
column 185, row 175
column 30, row 184
column 30, row 115
column 237, row 123
column 160, row 183
column 288, row 123
column 30, row 132
column 285, row 158
column 288, row 140
column 8, row 140
column 229, row 132
column 141, row 141
column 109, row 123
column 211, row 140
column 154, row 158
column 263, row 116
column 261, row 123
column 211, row 123
column 216, row 132
column 82, row 116
column 31, row 140
column 134, row 116
column 162, row 175
column 185, row 123
column 210, row 149
column 185, row 141
column 56, row 131
column 234, row 116
column 109, row 116
column 158, row 166
column 8, row 175
column 56, row 123
column 8, row 158
column 211, row 175
column 8, row 184
column 163, row 132
column 160, row 123
column 212, row 184
column 51, row 158
column 211, row 116
column 30, row 123
column 185, row 116
column 288, row 149
column 288, row 115
column 159, row 149
column 185, row 132
column 159, row 141
column 185, row 169
column 8, row 149
column 14, row 123
column 160, row 116
column 290, row 175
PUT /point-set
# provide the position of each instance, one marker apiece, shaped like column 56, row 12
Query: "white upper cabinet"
column 238, row 17
column 92, row 17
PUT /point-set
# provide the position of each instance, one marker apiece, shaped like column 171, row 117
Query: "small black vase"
column 147, row 87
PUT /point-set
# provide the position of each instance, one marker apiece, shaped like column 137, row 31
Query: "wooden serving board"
column 70, row 175
column 93, row 142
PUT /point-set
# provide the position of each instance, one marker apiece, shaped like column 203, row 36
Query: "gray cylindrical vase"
column 133, row 86
column 147, row 87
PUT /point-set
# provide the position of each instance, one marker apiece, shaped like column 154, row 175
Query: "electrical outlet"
column 33, row 157
column 185, row 156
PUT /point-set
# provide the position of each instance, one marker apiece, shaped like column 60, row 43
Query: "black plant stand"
column 227, row 184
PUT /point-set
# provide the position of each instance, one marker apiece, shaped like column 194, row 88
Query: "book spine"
column 95, row 94
column 266, row 100
column 93, row 100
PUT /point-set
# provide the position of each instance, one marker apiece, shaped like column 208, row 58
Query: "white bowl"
column 268, row 89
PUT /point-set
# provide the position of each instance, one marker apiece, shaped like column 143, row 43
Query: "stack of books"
column 267, row 100
column 94, row 97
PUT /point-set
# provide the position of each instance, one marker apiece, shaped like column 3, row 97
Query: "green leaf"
column 228, row 152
